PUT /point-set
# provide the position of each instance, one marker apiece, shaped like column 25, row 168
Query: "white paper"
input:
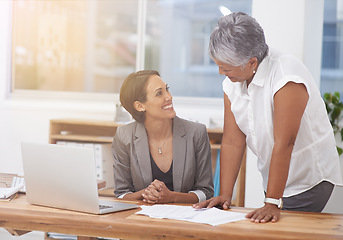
column 7, row 192
column 211, row 216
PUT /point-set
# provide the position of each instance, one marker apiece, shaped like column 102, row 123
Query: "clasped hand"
column 267, row 213
column 156, row 192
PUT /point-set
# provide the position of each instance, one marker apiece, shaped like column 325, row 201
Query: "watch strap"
column 277, row 202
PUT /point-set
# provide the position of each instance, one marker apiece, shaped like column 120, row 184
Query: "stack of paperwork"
column 8, row 192
column 211, row 216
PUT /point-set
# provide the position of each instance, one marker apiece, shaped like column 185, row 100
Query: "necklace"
column 160, row 148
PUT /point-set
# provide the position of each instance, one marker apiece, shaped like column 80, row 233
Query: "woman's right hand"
column 156, row 192
column 223, row 201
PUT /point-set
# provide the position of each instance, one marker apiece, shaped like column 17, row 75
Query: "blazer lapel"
column 142, row 151
column 179, row 153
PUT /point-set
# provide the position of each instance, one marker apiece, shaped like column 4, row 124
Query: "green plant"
column 334, row 109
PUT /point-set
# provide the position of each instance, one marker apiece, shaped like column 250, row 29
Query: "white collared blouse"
column 314, row 157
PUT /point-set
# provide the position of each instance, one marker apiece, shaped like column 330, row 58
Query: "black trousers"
column 312, row 200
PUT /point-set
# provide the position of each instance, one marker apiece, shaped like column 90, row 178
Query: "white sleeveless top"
column 314, row 157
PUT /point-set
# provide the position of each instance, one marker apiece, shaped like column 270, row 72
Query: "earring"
column 253, row 71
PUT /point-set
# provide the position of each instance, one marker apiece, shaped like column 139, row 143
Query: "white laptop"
column 64, row 177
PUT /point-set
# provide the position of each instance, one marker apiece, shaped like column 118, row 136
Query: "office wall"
column 294, row 26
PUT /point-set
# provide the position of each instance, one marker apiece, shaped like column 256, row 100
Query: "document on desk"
column 8, row 192
column 211, row 216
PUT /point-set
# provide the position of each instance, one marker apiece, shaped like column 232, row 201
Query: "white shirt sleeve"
column 200, row 194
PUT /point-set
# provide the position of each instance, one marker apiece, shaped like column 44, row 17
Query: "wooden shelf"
column 82, row 138
column 82, row 130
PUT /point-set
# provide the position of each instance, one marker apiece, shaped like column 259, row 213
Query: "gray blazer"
column 192, row 164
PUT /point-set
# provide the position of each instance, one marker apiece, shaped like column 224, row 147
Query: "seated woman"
column 159, row 158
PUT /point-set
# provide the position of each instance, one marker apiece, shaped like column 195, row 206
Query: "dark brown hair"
column 134, row 89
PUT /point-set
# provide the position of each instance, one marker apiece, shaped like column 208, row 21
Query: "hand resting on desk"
column 264, row 214
column 269, row 212
column 220, row 201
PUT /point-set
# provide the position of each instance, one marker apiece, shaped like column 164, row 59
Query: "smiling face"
column 159, row 104
column 237, row 73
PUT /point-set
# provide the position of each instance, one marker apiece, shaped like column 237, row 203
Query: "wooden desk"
column 18, row 214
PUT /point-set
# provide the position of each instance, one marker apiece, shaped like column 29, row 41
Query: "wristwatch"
column 277, row 202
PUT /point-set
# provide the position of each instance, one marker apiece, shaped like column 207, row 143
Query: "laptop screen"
column 60, row 176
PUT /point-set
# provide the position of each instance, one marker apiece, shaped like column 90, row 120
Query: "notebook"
column 64, row 177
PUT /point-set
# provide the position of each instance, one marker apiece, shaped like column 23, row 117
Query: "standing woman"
column 159, row 158
column 273, row 106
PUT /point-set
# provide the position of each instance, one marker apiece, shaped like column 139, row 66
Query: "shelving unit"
column 93, row 131
column 82, row 130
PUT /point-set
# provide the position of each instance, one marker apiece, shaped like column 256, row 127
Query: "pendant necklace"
column 160, row 148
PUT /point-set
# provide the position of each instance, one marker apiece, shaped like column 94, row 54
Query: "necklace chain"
column 160, row 148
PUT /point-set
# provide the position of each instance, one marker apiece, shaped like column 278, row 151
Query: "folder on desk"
column 7, row 189
column 9, row 192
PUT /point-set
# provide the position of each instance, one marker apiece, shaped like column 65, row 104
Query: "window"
column 332, row 51
column 81, row 46
column 177, row 40
column 91, row 46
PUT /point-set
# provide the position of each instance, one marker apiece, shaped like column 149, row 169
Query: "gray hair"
column 236, row 39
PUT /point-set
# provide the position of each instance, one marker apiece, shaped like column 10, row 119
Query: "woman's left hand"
column 269, row 212
column 157, row 192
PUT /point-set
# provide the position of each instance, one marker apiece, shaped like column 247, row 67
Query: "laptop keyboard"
column 18, row 180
